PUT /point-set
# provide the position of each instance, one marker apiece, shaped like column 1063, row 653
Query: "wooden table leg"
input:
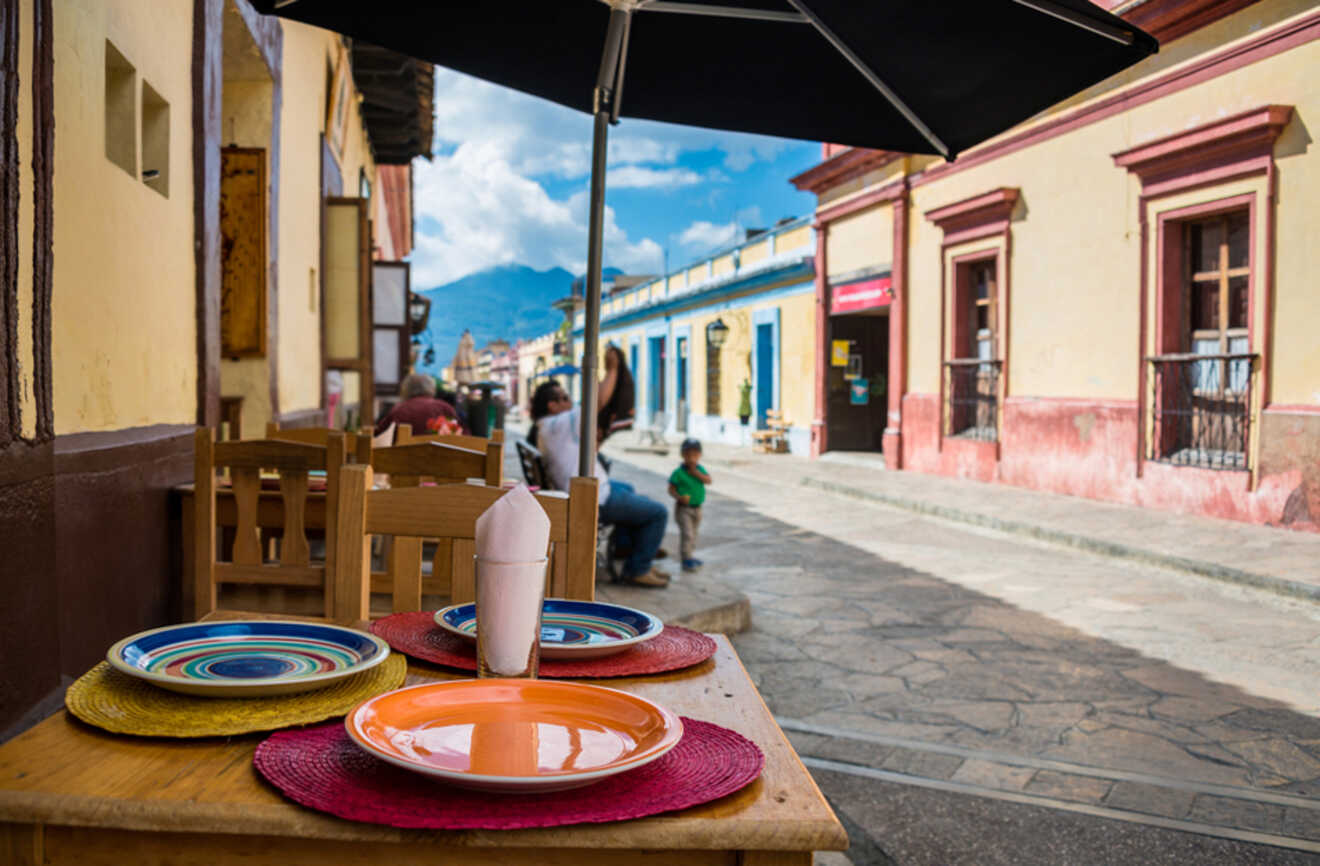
column 22, row 844
column 187, row 532
column 774, row 858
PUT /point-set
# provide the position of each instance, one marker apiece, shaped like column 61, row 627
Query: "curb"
column 732, row 618
column 1227, row 574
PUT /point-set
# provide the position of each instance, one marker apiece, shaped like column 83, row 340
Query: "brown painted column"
column 897, row 386
column 819, row 432
column 207, row 81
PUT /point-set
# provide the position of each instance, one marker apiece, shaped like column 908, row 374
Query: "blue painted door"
column 765, row 372
column 655, row 375
column 680, row 369
column 680, row 384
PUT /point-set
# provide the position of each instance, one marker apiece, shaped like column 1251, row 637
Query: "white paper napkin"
column 514, row 529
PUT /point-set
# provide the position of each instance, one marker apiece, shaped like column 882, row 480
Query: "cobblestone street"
column 904, row 649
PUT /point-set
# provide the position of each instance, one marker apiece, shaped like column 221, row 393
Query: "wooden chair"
column 247, row 565
column 358, row 444
column 408, row 466
column 774, row 438
column 492, row 447
column 404, row 434
column 450, row 512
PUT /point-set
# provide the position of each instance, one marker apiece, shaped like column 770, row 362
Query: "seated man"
column 639, row 522
column 419, row 407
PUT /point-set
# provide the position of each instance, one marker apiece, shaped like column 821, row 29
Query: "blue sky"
column 509, row 180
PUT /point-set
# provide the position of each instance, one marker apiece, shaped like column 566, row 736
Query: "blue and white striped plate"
column 247, row 658
column 570, row 629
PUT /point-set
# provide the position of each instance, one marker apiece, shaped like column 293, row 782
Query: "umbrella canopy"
column 561, row 370
column 967, row 69
column 905, row 75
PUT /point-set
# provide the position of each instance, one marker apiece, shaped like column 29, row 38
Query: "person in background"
column 618, row 408
column 451, row 397
column 639, row 523
column 687, row 485
column 418, row 406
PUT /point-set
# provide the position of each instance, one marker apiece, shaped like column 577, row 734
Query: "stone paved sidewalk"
column 1281, row 560
column 909, row 674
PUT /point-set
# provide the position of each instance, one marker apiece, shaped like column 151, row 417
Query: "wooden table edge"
column 33, row 808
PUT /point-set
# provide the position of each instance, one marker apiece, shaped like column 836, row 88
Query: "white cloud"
column 641, row 177
column 702, row 236
column 475, row 211
column 483, row 200
column 541, row 138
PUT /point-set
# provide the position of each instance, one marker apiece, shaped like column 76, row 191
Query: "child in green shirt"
column 687, row 485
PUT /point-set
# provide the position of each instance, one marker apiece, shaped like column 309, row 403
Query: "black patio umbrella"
column 918, row 76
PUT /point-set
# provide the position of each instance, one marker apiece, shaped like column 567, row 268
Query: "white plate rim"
column 113, row 657
column 675, row 724
column 565, row 650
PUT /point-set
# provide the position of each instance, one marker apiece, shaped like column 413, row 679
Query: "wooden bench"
column 774, row 438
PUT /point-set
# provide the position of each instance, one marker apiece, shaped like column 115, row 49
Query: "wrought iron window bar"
column 971, row 388
column 1201, row 409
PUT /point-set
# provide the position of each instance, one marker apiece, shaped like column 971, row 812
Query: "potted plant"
column 745, row 402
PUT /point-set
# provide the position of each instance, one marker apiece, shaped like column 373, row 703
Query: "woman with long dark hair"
column 618, row 395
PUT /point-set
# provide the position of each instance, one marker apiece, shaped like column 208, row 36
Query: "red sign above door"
column 851, row 297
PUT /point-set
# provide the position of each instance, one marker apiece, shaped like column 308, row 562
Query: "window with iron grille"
column 972, row 374
column 1202, row 399
column 712, row 378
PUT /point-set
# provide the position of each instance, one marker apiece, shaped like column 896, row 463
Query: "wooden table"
column 71, row 793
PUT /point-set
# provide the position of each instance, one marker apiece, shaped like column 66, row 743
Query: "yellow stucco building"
column 693, row 337
column 197, row 198
column 1115, row 299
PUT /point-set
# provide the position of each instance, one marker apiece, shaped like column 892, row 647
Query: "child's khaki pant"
column 688, row 519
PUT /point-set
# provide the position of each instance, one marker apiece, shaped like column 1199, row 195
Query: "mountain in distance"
column 507, row 302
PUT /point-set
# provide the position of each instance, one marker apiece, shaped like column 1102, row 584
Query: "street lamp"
column 419, row 310
column 717, row 332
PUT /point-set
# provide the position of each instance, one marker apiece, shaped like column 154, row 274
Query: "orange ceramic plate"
column 526, row 736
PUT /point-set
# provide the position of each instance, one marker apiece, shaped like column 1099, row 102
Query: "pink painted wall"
column 1087, row 448
column 961, row 458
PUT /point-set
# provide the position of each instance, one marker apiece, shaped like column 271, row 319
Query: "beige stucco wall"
column 1295, row 362
column 123, row 326
column 861, row 240
column 793, row 239
column 797, row 358
column 302, row 116
column 1076, row 257
column 753, row 253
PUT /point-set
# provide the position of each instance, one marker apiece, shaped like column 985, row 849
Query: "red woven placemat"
column 321, row 768
column 416, row 634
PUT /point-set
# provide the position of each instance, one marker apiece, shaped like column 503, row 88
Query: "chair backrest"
column 293, row 461
column 450, row 511
column 492, row 447
column 533, row 466
column 408, row 466
column 357, row 445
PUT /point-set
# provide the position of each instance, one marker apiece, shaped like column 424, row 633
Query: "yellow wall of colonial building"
column 308, row 52
column 863, row 240
column 123, row 329
column 1076, row 240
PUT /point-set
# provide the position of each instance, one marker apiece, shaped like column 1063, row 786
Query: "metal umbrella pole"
column 605, row 108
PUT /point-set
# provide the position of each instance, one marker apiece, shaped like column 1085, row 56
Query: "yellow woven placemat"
column 123, row 704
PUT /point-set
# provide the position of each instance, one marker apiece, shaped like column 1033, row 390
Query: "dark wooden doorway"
column 854, row 427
